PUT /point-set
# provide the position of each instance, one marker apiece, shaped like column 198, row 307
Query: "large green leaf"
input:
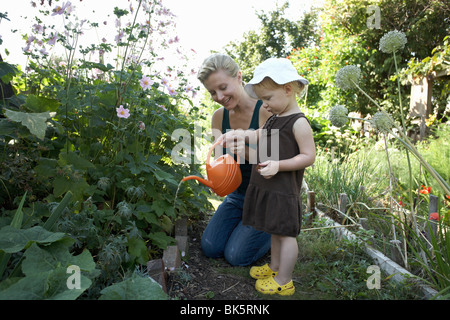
column 47, row 274
column 71, row 158
column 35, row 122
column 41, row 104
column 134, row 288
column 14, row 240
column 138, row 250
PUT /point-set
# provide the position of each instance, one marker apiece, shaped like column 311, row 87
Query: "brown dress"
column 274, row 205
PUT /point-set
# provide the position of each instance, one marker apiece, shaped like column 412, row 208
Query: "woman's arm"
column 216, row 128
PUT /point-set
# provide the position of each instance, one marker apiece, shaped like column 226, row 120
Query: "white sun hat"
column 280, row 70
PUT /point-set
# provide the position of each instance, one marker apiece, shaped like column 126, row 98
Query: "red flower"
column 425, row 190
column 434, row 216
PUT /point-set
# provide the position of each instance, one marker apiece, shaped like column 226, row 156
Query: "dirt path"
column 201, row 278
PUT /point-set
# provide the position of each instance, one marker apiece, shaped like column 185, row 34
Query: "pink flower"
column 119, row 37
column 53, row 39
column 171, row 90
column 122, row 112
column 43, row 52
column 146, row 83
column 38, row 28
column 58, row 10
column 162, row 107
column 164, row 81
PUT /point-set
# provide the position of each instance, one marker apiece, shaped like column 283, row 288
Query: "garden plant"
column 88, row 177
column 86, row 173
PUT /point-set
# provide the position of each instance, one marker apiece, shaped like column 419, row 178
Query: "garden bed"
column 395, row 271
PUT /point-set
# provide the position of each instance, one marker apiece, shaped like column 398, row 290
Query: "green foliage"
column 346, row 39
column 134, row 288
column 105, row 183
column 276, row 38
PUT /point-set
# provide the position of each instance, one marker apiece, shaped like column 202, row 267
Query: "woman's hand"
column 234, row 140
column 268, row 168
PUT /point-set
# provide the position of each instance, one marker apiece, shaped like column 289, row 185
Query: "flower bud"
column 338, row 115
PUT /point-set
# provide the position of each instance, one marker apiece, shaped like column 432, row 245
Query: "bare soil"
column 202, row 278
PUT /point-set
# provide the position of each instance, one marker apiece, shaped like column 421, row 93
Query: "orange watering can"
column 224, row 174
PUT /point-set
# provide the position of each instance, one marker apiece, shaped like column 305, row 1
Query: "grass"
column 328, row 269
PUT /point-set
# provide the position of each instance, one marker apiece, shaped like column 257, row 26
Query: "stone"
column 182, row 244
column 155, row 270
column 172, row 258
column 181, row 227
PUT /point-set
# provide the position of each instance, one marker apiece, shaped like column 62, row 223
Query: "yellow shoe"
column 270, row 286
column 262, row 272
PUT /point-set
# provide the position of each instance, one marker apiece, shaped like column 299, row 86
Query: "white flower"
column 347, row 77
column 392, row 41
column 338, row 115
column 381, row 122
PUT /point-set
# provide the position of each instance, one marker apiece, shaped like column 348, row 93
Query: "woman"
column 225, row 236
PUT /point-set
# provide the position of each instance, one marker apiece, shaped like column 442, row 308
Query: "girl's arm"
column 304, row 137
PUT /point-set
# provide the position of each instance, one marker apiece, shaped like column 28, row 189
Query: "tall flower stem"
column 407, row 143
column 407, row 152
column 405, row 255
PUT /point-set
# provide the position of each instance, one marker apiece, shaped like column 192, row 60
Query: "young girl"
column 273, row 202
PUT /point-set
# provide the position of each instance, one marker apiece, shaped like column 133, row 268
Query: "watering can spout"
column 207, row 183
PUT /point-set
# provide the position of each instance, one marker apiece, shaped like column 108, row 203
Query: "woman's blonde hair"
column 267, row 82
column 217, row 61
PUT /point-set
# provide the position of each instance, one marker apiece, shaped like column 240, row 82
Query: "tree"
column 348, row 39
column 276, row 38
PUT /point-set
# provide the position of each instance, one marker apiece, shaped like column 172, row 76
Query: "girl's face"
column 224, row 89
column 275, row 99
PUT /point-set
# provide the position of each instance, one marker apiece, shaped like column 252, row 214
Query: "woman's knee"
column 210, row 249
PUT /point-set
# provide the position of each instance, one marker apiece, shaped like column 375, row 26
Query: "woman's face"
column 224, row 89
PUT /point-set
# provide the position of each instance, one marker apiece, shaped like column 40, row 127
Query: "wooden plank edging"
column 398, row 273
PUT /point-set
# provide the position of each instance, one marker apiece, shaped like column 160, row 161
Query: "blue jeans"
column 225, row 236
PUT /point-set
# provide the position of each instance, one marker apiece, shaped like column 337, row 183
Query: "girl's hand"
column 268, row 168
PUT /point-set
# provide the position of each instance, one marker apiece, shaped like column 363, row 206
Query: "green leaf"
column 160, row 239
column 47, row 274
column 41, row 104
column 7, row 71
column 6, row 127
column 71, row 158
column 35, row 122
column 138, row 250
column 134, row 288
column 46, row 167
column 93, row 65
column 14, row 240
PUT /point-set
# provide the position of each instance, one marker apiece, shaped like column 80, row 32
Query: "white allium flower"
column 392, row 41
column 338, row 115
column 381, row 122
column 347, row 77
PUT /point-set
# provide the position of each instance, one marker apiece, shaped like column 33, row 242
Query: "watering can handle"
column 218, row 141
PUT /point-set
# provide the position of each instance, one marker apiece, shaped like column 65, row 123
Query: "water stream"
column 176, row 195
